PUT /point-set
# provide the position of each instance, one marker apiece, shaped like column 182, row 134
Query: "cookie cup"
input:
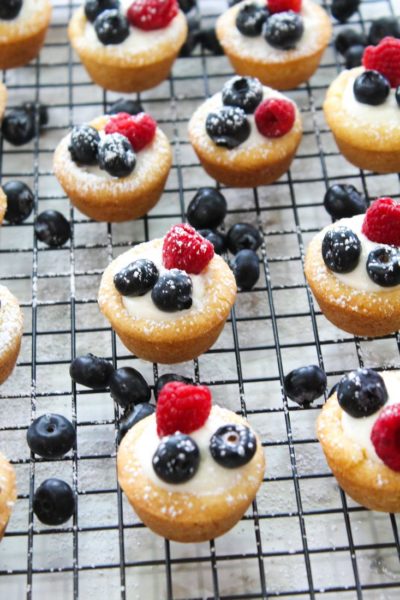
column 105, row 198
column 280, row 69
column 3, row 99
column 169, row 341
column 11, row 323
column 126, row 70
column 8, row 492
column 3, row 205
column 184, row 516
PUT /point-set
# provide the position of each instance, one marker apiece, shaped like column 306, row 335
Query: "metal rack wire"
column 303, row 537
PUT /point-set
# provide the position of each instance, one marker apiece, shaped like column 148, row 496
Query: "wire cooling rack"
column 303, row 537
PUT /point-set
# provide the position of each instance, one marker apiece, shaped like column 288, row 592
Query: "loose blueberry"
column 84, row 144
column 383, row 27
column 228, row 127
column 371, row 88
column 139, row 412
column 250, row 19
column 347, row 38
column 383, row 266
column 398, row 95
column 51, row 436
column 343, row 9
column 207, row 209
column 233, row 446
column 111, row 27
column 361, row 393
column 92, row 371
column 167, row 378
column 192, row 39
column 244, row 92
column 246, row 269
column 20, row 200
column 243, row 236
column 353, row 56
column 176, row 459
column 341, row 250
column 10, row 9
column 128, row 386
column 186, row 5
column 283, row 30
column 18, row 126
column 52, row 228
column 33, row 107
column 304, row 385
column 137, row 278
column 125, row 105
column 116, row 155
column 344, row 200
column 173, row 291
column 53, row 502
column 217, row 239
column 93, row 8
column 209, row 41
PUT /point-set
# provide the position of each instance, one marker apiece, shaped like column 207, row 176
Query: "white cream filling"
column 386, row 114
column 359, row 430
column 29, row 9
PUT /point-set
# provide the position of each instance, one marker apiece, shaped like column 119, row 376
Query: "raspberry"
column 182, row 407
column 385, row 58
column 152, row 14
column 382, row 222
column 186, row 249
column 139, row 129
column 275, row 117
column 275, row 6
column 385, row 436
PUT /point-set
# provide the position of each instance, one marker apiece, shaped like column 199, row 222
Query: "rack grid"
column 303, row 537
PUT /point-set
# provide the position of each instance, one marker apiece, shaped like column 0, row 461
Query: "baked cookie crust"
column 11, row 323
column 8, row 492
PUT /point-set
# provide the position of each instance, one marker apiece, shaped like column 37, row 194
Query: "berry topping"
column 361, row 393
column 52, row 228
column 20, row 200
column 275, row 117
column 243, row 236
column 385, row 436
column 207, row 209
column 92, row 371
column 137, row 278
column 383, row 27
column 84, row 144
column 283, row 30
column 343, row 200
column 182, row 407
column 228, row 127
column 51, row 436
column 246, row 269
column 185, row 249
column 305, row 384
column 18, row 126
column 341, row 250
column 139, row 129
column 353, row 56
column 139, row 411
column 10, row 9
column 116, row 155
column 250, row 19
column 343, row 9
column 385, row 58
column 371, row 88
column 244, row 92
column 173, row 291
column 383, row 266
column 347, row 38
column 111, row 27
column 216, row 238
column 176, row 459
column 128, row 387
column 125, row 105
column 277, row 6
column 167, row 378
column 233, row 446
column 382, row 222
column 93, row 8
column 53, row 502
column 152, row 14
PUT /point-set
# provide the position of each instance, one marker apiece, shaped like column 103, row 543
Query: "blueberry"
column 10, row 9
column 176, row 459
column 173, row 291
column 51, row 436
column 93, row 8
column 398, row 95
column 209, row 41
column 304, row 385
column 207, row 209
column 341, row 250
column 383, row 266
column 111, row 27
column 283, row 30
column 216, row 238
column 361, row 393
column 91, row 371
column 116, row 155
column 243, row 236
column 167, row 378
column 128, row 386
column 125, row 105
column 250, row 19
column 137, row 278
column 192, row 40
column 244, row 92
column 233, row 446
column 246, row 269
column 347, row 38
column 353, row 56
column 186, row 5
column 343, row 9
column 84, row 144
column 53, row 502
column 228, row 127
column 140, row 411
column 20, row 200
column 33, row 107
column 18, row 126
column 371, row 88
column 52, row 228
column 344, row 200
column 383, row 27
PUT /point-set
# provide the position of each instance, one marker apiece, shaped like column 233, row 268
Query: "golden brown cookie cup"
column 8, row 492
column 11, row 323
column 3, row 100
column 3, row 205
column 126, row 72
